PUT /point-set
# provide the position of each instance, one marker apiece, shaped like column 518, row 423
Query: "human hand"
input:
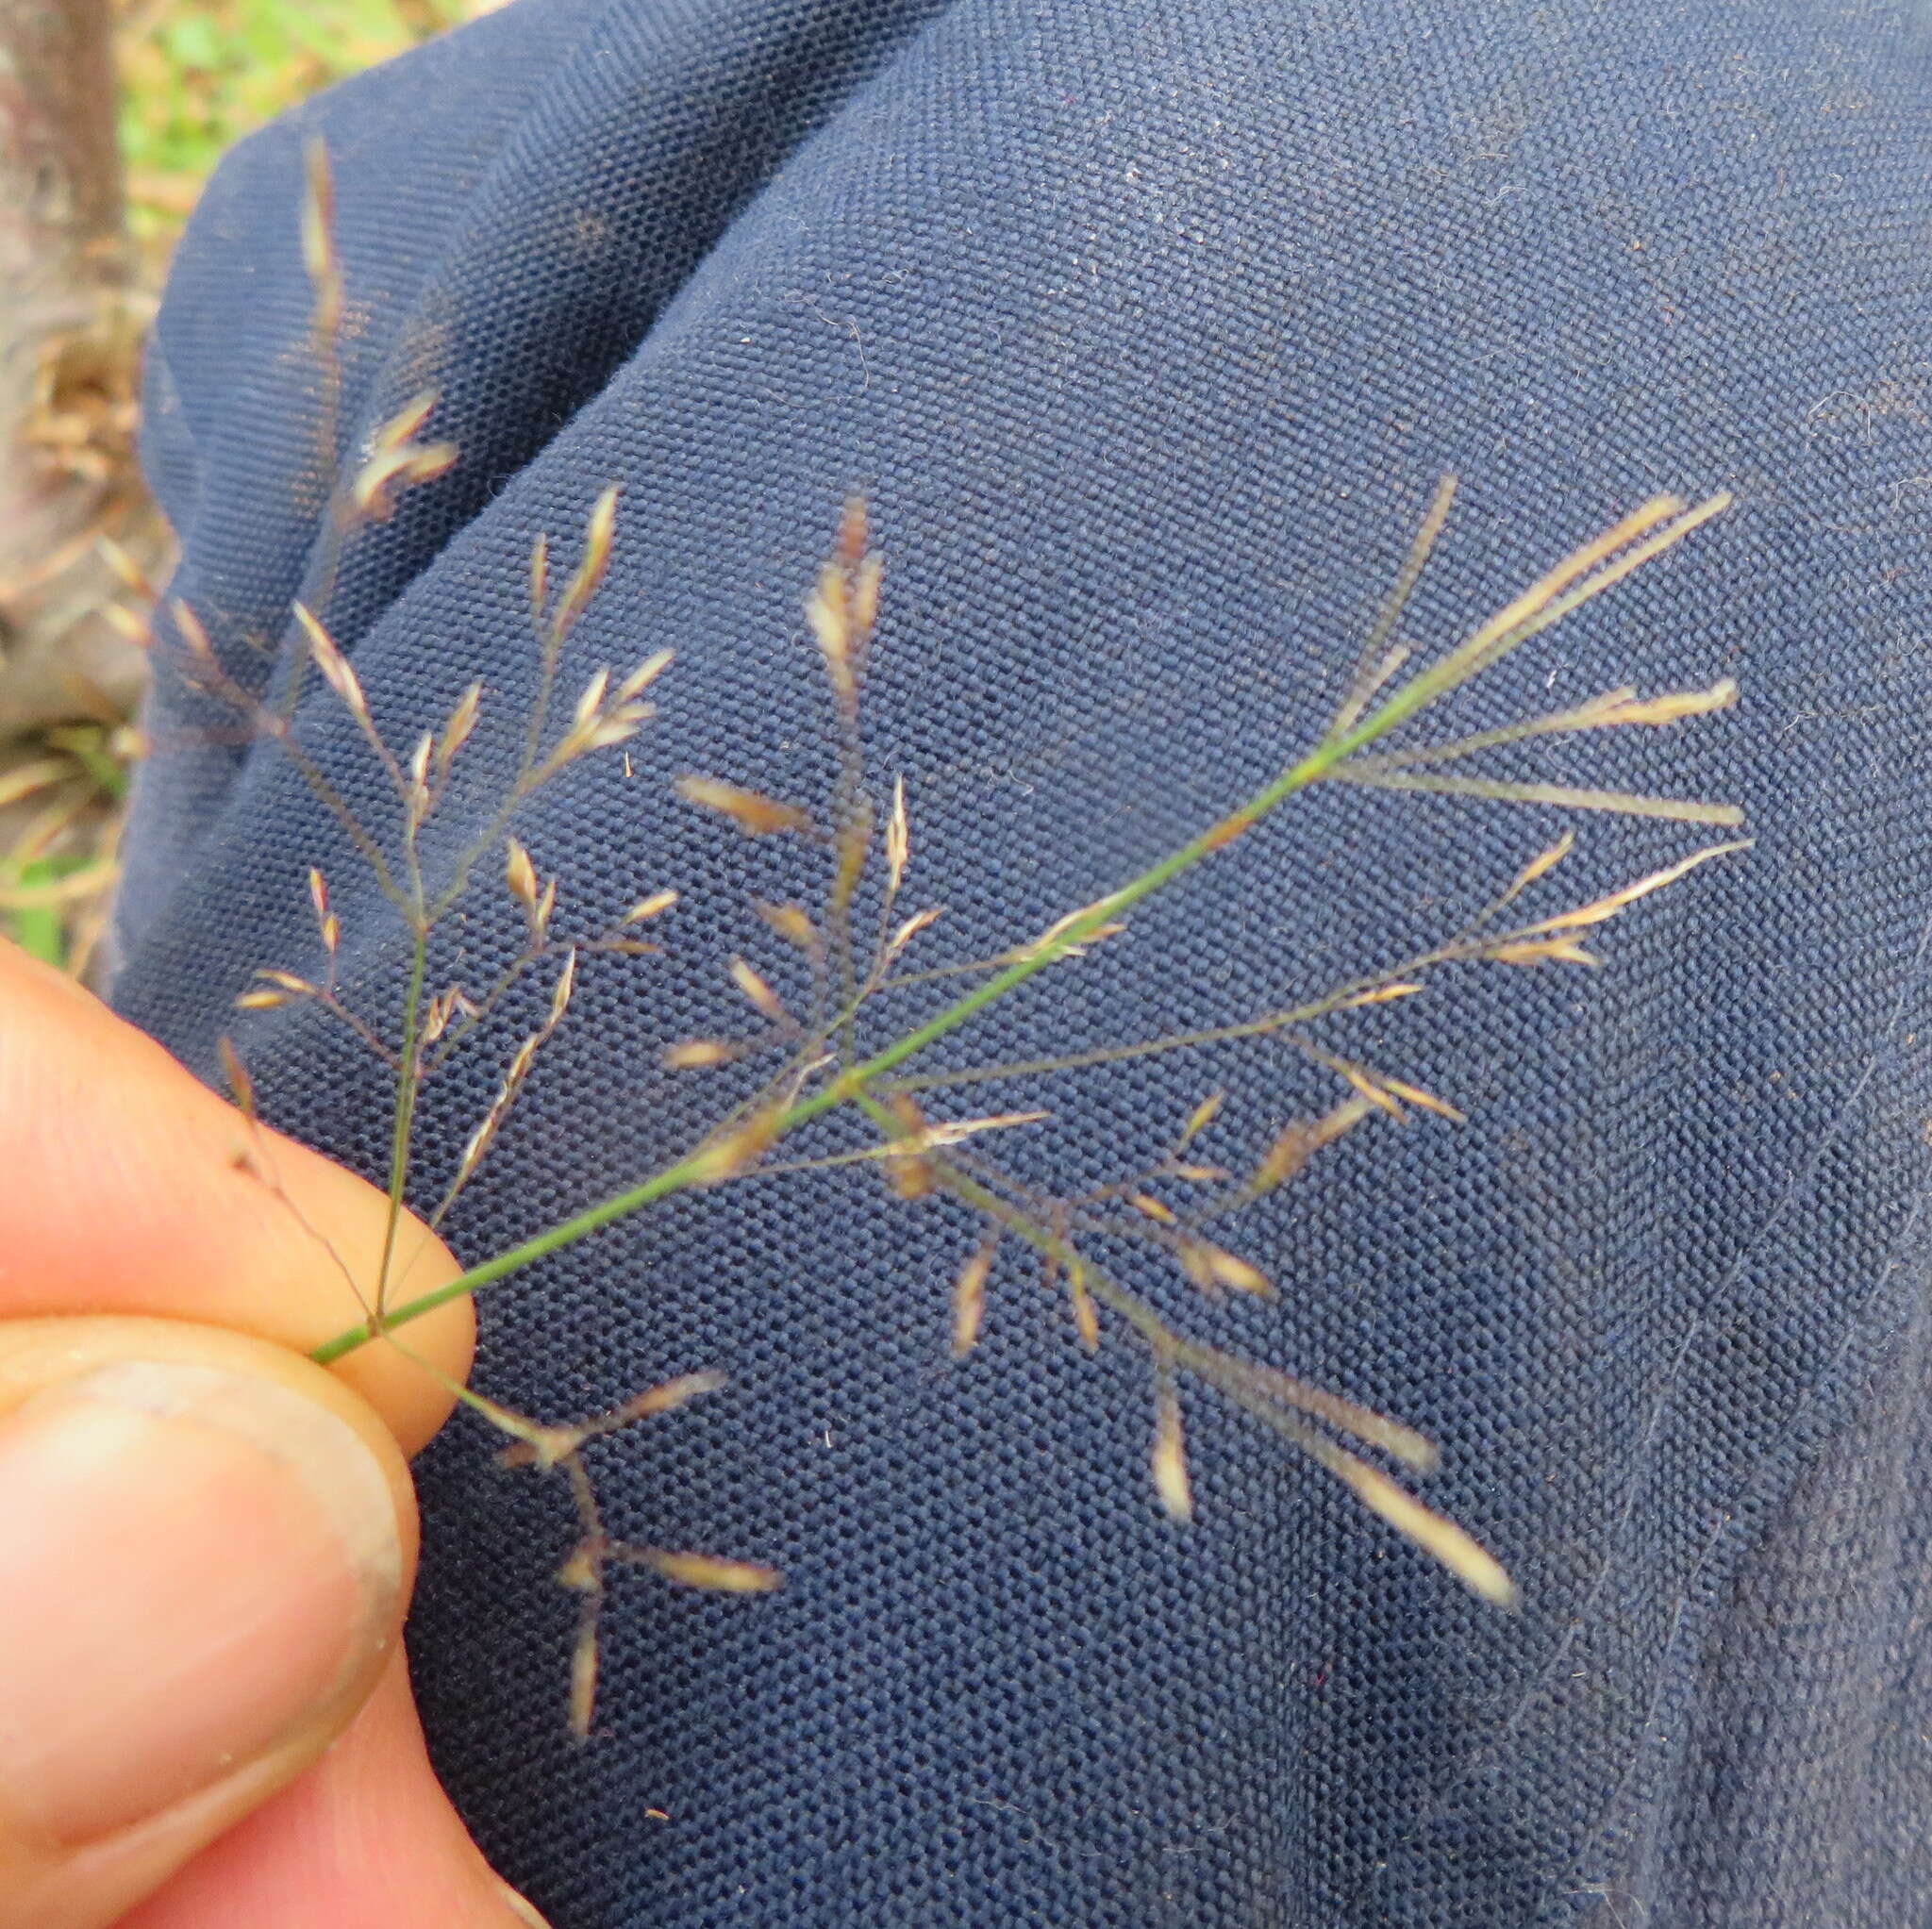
column 206, row 1541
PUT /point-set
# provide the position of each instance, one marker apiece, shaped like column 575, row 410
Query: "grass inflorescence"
column 921, row 1141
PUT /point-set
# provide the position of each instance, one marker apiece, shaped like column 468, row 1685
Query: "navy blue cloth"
column 1147, row 329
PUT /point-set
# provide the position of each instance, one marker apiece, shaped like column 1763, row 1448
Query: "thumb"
column 206, row 1549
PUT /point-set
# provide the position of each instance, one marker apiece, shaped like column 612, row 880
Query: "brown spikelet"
column 690, row 1055
column 560, row 991
column 540, row 578
column 326, row 922
column 759, row 992
column 319, row 257
column 520, row 875
column 756, row 815
column 866, row 580
column 1200, row 1119
column 853, row 532
column 791, row 922
column 908, row 1173
column 710, row 1572
column 1609, row 905
column 1080, row 1302
column 1536, row 951
column 668, row 1396
column 1150, row 1207
column 1299, row 1141
column 599, row 528
column 457, row 727
column 334, row 666
column 655, row 906
column 1540, row 865
column 241, row 1087
column 898, row 839
column 969, row 1293
column 1168, row 1461
column 261, row 1001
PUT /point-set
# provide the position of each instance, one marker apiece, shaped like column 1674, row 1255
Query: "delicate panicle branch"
column 1163, row 1211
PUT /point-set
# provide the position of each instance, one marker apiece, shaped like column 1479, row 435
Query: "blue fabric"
column 1148, row 329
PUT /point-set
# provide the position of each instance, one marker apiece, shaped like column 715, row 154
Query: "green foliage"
column 197, row 74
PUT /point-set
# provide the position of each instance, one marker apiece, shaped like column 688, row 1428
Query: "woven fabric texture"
column 1147, row 329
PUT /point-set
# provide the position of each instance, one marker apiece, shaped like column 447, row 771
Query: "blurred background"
column 112, row 114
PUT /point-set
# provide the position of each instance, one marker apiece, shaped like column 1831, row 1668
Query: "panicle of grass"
column 826, row 1068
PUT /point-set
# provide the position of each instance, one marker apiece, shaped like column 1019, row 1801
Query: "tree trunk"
column 68, row 348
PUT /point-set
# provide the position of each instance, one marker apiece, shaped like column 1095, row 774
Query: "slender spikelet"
column 1168, row 1460
column 1300, row 1141
column 1540, row 865
column 326, row 923
column 235, row 1073
column 319, row 257
column 898, row 839
column 520, row 875
column 1080, row 1302
column 793, row 922
column 193, row 633
column 1536, row 951
column 909, row 1173
column 690, row 1055
column 457, row 728
column 755, row 814
column 759, row 992
column 910, row 929
column 969, row 1293
column 645, row 908
column 1423, row 1101
column 1465, row 1558
column 539, row 579
column 1203, row 1116
column 1609, row 905
column 336, row 668
column 710, row 1572
column 600, row 526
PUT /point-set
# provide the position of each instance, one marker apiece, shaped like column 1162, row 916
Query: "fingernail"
column 193, row 1563
column 522, row 1908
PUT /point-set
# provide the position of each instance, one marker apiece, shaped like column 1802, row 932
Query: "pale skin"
column 145, row 1220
